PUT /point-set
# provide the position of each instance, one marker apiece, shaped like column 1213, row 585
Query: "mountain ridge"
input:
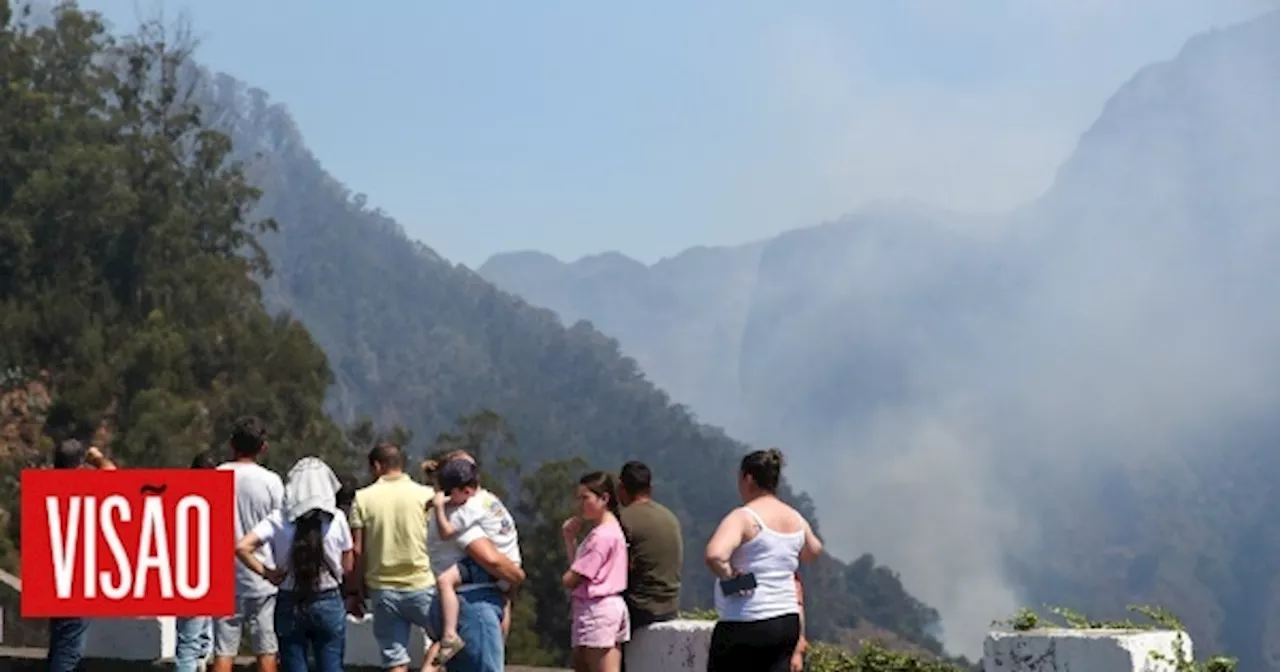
column 417, row 340
column 1104, row 333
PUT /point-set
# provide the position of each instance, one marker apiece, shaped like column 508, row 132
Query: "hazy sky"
column 580, row 127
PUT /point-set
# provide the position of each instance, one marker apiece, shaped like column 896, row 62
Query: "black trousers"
column 754, row 646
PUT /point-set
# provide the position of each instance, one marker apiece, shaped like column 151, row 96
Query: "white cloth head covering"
column 312, row 485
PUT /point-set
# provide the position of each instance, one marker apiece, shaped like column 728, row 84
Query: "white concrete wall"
column 674, row 646
column 141, row 639
column 150, row 639
column 362, row 648
column 682, row 646
column 1054, row 650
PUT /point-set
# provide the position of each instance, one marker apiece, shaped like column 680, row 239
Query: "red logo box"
column 128, row 542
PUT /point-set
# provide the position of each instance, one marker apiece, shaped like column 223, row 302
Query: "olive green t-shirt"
column 656, row 553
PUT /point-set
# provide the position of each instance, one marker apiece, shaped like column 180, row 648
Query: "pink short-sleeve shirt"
column 602, row 563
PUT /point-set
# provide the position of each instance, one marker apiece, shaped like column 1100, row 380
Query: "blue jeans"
column 319, row 625
column 395, row 612
column 195, row 642
column 470, row 571
column 480, row 626
column 66, row 643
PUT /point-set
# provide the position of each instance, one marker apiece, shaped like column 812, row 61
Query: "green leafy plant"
column 872, row 657
column 699, row 615
column 1153, row 618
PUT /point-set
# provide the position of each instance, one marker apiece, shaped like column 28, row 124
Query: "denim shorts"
column 395, row 612
column 470, row 572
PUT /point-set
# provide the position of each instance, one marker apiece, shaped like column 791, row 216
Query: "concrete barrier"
column 1061, row 650
column 362, row 648
column 673, row 646
column 133, row 639
column 155, row 639
column 131, row 643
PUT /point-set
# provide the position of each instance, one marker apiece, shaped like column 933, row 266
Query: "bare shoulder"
column 781, row 517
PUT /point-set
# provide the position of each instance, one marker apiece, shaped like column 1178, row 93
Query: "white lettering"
column 115, row 591
column 90, row 547
column 63, row 548
column 153, row 551
column 200, row 507
column 74, row 537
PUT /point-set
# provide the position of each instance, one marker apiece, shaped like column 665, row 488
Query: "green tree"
column 128, row 256
column 546, row 500
column 360, row 437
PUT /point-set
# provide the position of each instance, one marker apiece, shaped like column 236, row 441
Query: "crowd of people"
column 443, row 555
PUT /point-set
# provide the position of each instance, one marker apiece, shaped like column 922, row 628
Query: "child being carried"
column 461, row 505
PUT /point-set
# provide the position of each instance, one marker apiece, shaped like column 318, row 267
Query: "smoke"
column 1112, row 350
column 1131, row 326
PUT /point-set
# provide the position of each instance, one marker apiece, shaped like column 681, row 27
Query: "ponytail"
column 306, row 556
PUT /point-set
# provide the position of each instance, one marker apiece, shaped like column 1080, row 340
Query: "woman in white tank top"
column 760, row 628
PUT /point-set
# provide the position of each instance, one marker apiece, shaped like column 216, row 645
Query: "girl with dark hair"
column 598, row 577
column 311, row 543
column 755, row 553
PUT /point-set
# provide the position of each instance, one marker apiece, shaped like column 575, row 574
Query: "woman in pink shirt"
column 597, row 578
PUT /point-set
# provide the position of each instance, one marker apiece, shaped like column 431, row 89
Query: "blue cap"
column 457, row 473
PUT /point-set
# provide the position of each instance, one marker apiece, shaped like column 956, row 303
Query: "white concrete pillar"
column 673, row 646
column 141, row 639
column 362, row 647
column 1063, row 650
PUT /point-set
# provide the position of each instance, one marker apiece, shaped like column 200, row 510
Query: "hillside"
column 128, row 311
column 1078, row 394
column 417, row 341
column 130, row 241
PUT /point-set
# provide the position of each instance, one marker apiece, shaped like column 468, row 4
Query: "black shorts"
column 754, row 646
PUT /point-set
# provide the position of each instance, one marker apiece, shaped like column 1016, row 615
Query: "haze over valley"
column 1070, row 402
column 998, row 280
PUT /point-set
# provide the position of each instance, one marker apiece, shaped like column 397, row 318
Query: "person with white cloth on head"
column 312, row 547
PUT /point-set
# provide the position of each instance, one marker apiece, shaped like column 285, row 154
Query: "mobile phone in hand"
column 738, row 584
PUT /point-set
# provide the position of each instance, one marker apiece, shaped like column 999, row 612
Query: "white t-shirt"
column 482, row 516
column 259, row 493
column 278, row 534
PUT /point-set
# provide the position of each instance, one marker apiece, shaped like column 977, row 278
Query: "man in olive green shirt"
column 656, row 549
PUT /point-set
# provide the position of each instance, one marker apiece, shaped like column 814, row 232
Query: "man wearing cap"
column 475, row 551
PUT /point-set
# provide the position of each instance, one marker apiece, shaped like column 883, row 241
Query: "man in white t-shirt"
column 259, row 492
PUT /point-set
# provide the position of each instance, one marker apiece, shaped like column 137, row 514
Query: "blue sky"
column 580, row 127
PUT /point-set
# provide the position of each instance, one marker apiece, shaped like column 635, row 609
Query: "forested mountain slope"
column 129, row 245
column 415, row 340
column 1079, row 395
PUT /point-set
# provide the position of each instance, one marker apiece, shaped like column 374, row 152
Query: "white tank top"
column 774, row 558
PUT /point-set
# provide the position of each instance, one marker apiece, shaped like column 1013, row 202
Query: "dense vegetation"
column 126, row 260
column 133, row 246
